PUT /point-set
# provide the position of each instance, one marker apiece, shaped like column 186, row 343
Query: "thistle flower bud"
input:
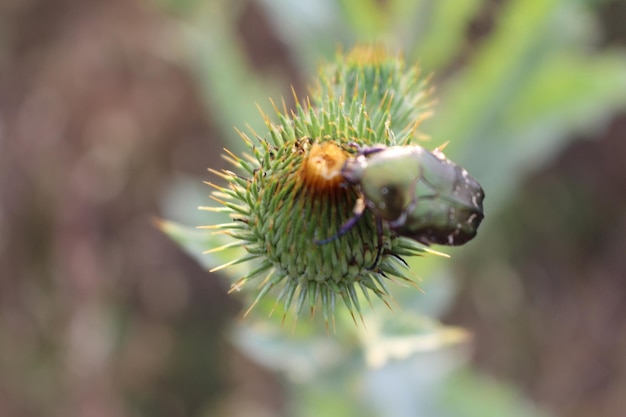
column 288, row 193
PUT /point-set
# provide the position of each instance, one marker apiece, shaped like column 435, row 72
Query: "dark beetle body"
column 420, row 194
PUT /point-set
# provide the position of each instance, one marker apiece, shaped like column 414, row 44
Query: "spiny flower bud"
column 288, row 193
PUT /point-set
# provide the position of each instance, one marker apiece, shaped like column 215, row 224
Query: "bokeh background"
column 111, row 111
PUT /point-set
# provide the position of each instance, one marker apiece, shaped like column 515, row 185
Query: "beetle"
column 420, row 194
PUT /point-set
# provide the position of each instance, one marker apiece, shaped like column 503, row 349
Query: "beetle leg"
column 366, row 150
column 371, row 149
column 358, row 210
column 379, row 249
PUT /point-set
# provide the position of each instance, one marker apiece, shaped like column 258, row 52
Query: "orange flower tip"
column 271, row 313
column 388, row 305
column 211, row 226
column 321, row 170
column 221, row 248
column 217, row 187
column 160, row 223
column 213, row 209
column 217, row 199
column 221, row 232
column 232, row 155
column 368, row 55
column 250, row 309
column 356, row 323
column 282, row 322
column 222, row 174
column 244, row 136
column 216, row 209
column 223, row 266
column 441, row 147
column 434, row 252
column 220, row 195
column 235, row 288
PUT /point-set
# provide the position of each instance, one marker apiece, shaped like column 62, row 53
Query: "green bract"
column 289, row 192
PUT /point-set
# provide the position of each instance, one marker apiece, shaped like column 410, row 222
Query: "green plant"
column 526, row 87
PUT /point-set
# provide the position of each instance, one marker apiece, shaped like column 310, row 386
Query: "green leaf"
column 196, row 242
column 411, row 356
column 300, row 355
column 231, row 88
column 366, row 18
column 392, row 336
column 528, row 88
column 466, row 393
column 440, row 28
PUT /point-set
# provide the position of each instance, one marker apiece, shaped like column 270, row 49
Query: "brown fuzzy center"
column 321, row 170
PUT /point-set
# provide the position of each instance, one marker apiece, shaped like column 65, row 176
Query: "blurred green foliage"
column 510, row 98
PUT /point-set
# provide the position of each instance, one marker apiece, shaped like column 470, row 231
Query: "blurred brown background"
column 101, row 315
column 99, row 312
